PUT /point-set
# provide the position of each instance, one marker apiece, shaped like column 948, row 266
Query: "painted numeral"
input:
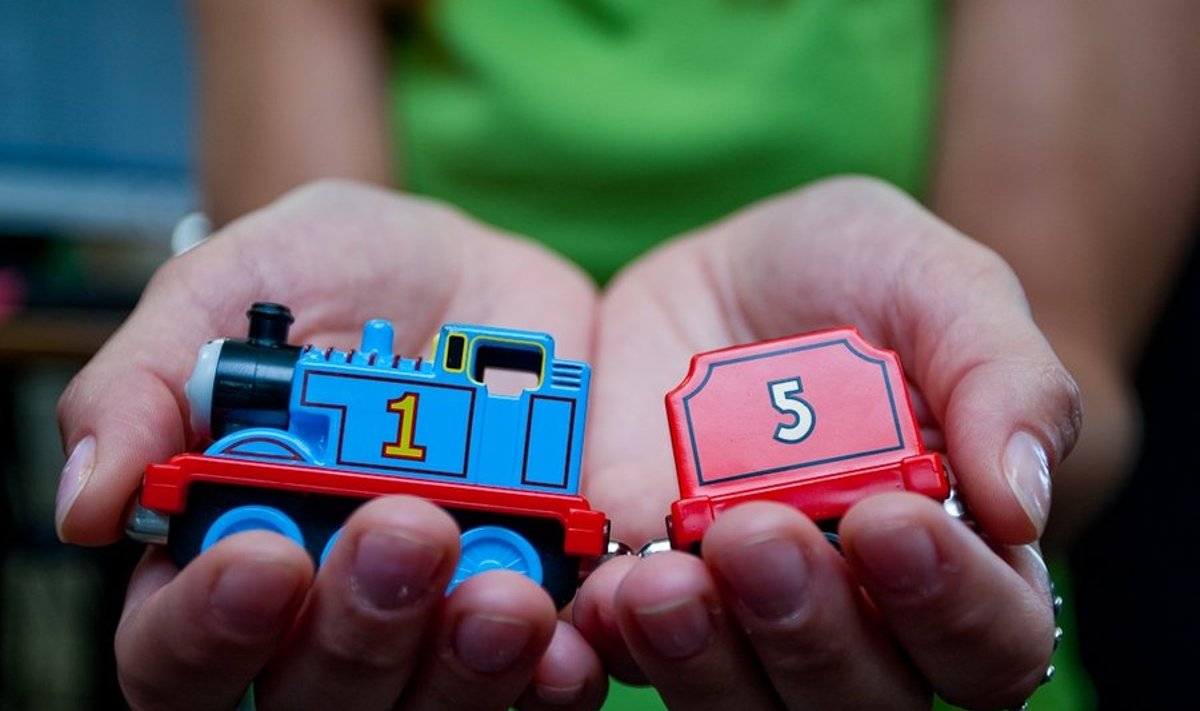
column 404, row 447
column 803, row 418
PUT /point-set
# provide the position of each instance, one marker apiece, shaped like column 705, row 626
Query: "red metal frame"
column 165, row 490
column 821, row 500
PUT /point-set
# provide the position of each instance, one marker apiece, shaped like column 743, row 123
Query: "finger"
column 493, row 630
column 803, row 614
column 655, row 316
column 126, row 408
column 197, row 640
column 951, row 308
column 569, row 675
column 373, row 600
column 594, row 614
column 670, row 614
column 979, row 630
column 411, row 260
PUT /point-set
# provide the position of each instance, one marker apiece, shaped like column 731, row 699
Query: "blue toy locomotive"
column 304, row 435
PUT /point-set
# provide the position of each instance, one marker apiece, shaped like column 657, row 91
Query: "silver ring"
column 1057, row 602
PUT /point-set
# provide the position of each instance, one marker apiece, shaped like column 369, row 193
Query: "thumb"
column 855, row 251
column 126, row 407
column 338, row 253
column 116, row 416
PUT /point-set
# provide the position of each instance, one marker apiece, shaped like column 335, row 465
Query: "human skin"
column 1090, row 219
column 1065, row 141
column 773, row 617
column 989, row 386
column 372, row 621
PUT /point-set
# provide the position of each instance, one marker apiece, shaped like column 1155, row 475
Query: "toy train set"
column 301, row 436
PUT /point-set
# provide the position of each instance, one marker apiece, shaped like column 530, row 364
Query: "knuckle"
column 169, row 272
column 1015, row 666
column 846, row 200
column 364, row 642
column 68, row 402
column 150, row 685
column 966, row 267
column 860, row 187
column 1070, row 408
column 320, row 192
column 826, row 659
column 807, row 645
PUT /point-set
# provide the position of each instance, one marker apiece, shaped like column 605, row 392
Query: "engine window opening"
column 456, row 348
column 507, row 369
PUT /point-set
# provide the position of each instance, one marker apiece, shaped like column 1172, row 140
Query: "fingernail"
column 1028, row 473
column 769, row 576
column 75, row 475
column 391, row 569
column 489, row 644
column 901, row 559
column 253, row 597
column 678, row 629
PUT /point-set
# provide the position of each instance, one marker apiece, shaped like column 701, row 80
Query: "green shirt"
column 602, row 127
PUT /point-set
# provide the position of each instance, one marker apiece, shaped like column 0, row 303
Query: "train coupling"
column 147, row 526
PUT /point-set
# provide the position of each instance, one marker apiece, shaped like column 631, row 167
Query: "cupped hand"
column 773, row 616
column 370, row 629
column 704, row 632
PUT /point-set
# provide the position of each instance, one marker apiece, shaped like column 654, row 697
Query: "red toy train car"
column 817, row 421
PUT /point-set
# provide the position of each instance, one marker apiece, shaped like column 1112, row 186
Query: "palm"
column 652, row 320
column 701, row 293
column 337, row 256
column 958, row 320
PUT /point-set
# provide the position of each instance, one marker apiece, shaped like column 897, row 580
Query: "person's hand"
column 370, row 629
column 773, row 616
column 703, row 292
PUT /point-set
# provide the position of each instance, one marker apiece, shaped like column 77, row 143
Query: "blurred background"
column 95, row 171
column 96, row 159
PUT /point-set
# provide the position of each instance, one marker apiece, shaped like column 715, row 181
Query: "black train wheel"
column 317, row 517
column 321, row 517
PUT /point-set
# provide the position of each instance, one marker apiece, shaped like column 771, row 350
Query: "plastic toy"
column 304, row 435
column 816, row 421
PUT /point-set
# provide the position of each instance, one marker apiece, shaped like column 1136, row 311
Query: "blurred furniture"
column 95, row 169
column 60, row 604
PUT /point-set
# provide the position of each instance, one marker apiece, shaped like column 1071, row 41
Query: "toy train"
column 817, row 421
column 304, row 435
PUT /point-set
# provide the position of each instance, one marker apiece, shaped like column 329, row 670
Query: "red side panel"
column 165, row 488
column 821, row 500
column 817, row 421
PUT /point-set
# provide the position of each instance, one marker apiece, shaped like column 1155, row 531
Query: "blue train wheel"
column 496, row 548
column 251, row 518
column 329, row 545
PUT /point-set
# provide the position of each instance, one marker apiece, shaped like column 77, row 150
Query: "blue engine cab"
column 293, row 424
